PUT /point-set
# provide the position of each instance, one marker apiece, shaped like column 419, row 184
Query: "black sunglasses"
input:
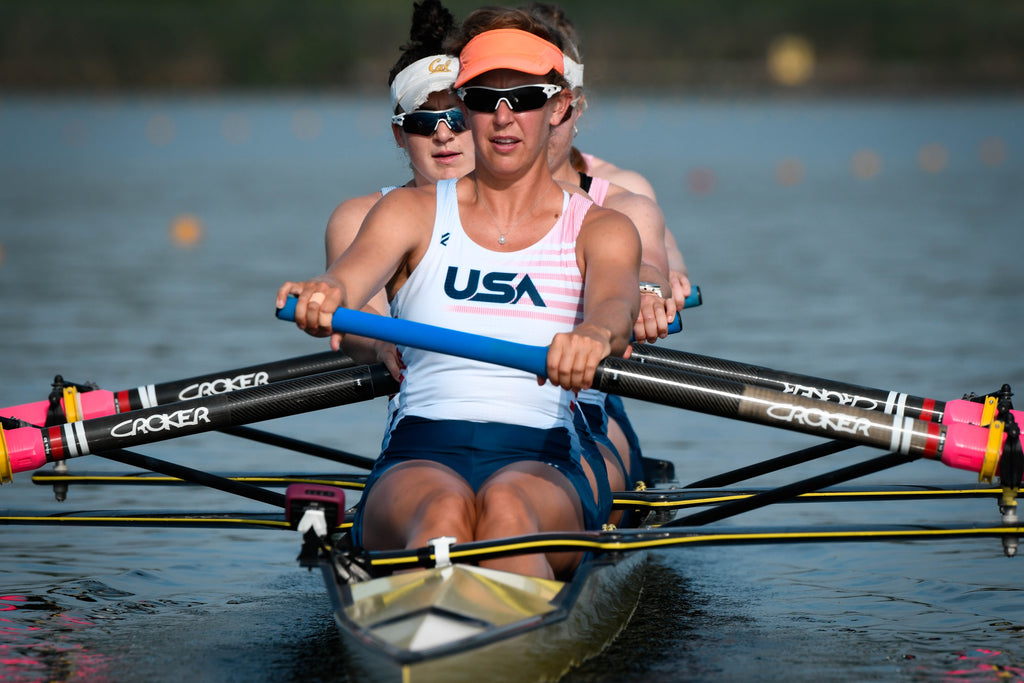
column 523, row 98
column 424, row 122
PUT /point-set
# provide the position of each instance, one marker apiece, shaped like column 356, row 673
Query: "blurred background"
column 908, row 45
column 843, row 176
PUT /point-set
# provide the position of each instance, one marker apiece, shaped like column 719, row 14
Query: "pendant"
column 501, row 239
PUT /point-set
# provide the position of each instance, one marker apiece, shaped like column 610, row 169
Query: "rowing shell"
column 462, row 622
column 467, row 623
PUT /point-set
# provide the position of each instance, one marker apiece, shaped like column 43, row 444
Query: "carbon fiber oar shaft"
column 29, row 448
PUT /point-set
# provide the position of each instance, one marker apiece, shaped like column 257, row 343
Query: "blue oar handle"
column 691, row 301
column 694, row 299
column 532, row 359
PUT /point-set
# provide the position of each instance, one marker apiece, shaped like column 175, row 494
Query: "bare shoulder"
column 403, row 214
column 604, row 223
column 352, row 210
column 406, row 198
column 608, row 239
column 395, row 232
column 348, row 218
column 343, row 225
column 635, row 205
column 631, row 180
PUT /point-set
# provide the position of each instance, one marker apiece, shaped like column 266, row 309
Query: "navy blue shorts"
column 476, row 450
column 617, row 411
column 597, row 421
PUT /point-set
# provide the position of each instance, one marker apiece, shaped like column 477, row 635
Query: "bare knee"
column 591, row 478
column 621, row 443
column 528, row 498
column 413, row 503
column 443, row 513
column 616, row 475
column 503, row 510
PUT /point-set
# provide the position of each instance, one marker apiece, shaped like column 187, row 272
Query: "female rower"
column 479, row 451
column 434, row 133
column 429, row 125
column 599, row 168
column 605, row 415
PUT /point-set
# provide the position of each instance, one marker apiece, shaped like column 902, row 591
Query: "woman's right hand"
column 318, row 299
column 681, row 287
column 656, row 313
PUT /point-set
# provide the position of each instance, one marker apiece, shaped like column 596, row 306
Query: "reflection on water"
column 875, row 242
column 41, row 642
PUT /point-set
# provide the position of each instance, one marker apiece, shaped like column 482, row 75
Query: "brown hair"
column 554, row 17
column 560, row 25
column 431, row 24
column 493, row 17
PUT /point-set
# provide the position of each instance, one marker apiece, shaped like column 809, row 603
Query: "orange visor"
column 508, row 48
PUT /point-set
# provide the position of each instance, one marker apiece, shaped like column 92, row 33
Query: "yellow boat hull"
column 466, row 623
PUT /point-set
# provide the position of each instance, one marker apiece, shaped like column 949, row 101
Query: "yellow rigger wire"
column 824, row 495
column 199, row 521
column 159, row 479
column 72, row 520
column 645, row 544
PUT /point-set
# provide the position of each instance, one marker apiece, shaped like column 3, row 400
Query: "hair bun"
column 431, row 23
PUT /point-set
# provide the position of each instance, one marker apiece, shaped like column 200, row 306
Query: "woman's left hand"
column 573, row 357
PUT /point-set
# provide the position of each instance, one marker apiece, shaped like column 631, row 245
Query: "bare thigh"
column 621, row 443
column 530, row 497
column 415, row 501
column 548, row 494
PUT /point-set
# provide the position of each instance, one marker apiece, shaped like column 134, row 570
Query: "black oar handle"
column 29, row 448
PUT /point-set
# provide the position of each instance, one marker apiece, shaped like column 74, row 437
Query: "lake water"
column 874, row 241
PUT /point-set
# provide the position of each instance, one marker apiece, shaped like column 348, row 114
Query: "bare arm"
column 608, row 250
column 655, row 312
column 631, row 180
column 678, row 277
column 344, row 223
column 342, row 228
column 391, row 239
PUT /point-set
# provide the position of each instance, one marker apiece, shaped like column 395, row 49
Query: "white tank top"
column 525, row 296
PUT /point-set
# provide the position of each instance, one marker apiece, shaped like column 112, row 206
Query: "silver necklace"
column 501, row 233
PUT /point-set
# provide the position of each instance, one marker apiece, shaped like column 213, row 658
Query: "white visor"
column 573, row 72
column 413, row 84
